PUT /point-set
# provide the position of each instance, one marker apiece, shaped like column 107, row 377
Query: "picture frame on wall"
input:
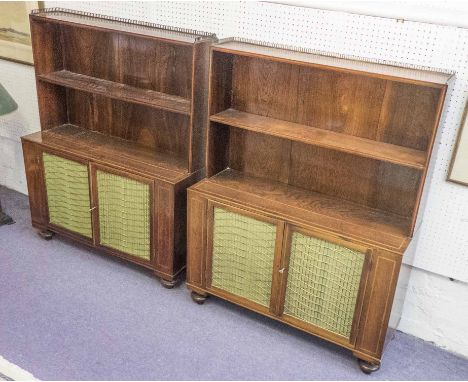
column 15, row 36
column 458, row 171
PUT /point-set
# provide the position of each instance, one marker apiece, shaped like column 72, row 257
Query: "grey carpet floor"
column 69, row 313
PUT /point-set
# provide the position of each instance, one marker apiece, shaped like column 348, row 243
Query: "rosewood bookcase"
column 315, row 170
column 123, row 108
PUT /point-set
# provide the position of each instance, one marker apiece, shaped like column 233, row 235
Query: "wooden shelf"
column 98, row 147
column 319, row 137
column 118, row 91
column 296, row 204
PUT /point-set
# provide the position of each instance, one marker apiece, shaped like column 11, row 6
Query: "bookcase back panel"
column 221, row 82
column 124, row 59
column 340, row 102
column 365, row 181
column 265, row 87
column 164, row 131
column 409, row 114
column 170, row 70
column 364, row 106
column 259, row 155
column 97, row 52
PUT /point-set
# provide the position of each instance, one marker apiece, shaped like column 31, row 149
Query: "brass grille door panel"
column 243, row 253
column 323, row 283
column 67, row 188
column 124, row 214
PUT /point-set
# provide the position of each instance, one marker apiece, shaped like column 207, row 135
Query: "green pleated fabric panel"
column 124, row 214
column 323, row 283
column 68, row 194
column 243, row 253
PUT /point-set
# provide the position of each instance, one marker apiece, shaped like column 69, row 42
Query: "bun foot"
column 169, row 284
column 367, row 367
column 198, row 298
column 46, row 234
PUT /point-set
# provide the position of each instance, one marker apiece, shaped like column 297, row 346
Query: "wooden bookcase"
column 315, row 170
column 123, row 108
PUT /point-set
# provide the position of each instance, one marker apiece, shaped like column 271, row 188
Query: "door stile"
column 279, row 276
column 94, row 203
column 366, row 268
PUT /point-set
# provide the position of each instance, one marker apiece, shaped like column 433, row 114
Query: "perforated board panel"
column 124, row 214
column 67, row 194
column 323, row 283
column 243, row 253
column 442, row 243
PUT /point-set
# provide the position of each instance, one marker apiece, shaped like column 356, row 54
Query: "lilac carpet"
column 68, row 313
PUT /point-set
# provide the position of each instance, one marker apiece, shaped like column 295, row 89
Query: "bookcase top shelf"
column 116, row 24
column 118, row 91
column 392, row 72
column 328, row 139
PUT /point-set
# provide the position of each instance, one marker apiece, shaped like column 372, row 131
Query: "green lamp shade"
column 7, row 104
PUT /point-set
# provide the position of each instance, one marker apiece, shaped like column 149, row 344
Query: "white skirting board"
column 13, row 372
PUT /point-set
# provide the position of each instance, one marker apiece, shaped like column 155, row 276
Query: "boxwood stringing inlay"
column 243, row 252
column 323, row 283
column 124, row 214
column 67, row 194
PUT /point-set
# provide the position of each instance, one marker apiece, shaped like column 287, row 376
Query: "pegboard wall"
column 441, row 242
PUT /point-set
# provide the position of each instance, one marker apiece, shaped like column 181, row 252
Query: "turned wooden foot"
column 198, row 298
column 367, row 367
column 169, row 284
column 46, row 234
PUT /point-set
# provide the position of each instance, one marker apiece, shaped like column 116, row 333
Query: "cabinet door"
column 242, row 251
column 67, row 190
column 325, row 278
column 124, row 205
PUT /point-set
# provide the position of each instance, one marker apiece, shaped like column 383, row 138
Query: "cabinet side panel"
column 220, row 94
column 164, row 201
column 52, row 101
column 35, row 178
column 199, row 106
column 46, row 46
column 196, row 243
column 378, row 301
column 180, row 219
